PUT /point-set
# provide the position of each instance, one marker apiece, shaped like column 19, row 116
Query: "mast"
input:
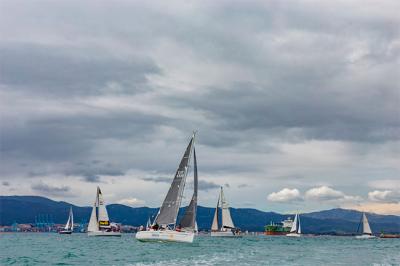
column 169, row 209
column 189, row 218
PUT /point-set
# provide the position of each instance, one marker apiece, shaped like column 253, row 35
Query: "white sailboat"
column 295, row 231
column 227, row 228
column 69, row 226
column 99, row 223
column 366, row 229
column 165, row 227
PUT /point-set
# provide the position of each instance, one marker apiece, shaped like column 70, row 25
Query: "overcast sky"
column 297, row 104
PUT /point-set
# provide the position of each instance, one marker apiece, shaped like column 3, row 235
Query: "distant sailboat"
column 227, row 228
column 366, row 229
column 99, row 223
column 295, row 231
column 69, row 226
column 165, row 227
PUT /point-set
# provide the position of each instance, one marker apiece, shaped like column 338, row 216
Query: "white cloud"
column 384, row 196
column 285, row 195
column 385, row 184
column 131, row 201
column 325, row 193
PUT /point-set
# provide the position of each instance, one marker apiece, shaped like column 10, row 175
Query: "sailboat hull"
column 65, row 232
column 165, row 236
column 225, row 234
column 293, row 235
column 103, row 233
column 365, row 236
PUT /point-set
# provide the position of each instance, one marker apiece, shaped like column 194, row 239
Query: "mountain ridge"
column 337, row 220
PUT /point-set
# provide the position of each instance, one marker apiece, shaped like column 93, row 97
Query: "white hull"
column 365, row 236
column 225, row 234
column 103, row 233
column 293, row 235
column 165, row 236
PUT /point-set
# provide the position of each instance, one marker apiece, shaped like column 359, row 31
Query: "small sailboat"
column 227, row 228
column 69, row 226
column 295, row 231
column 99, row 223
column 165, row 227
column 366, row 229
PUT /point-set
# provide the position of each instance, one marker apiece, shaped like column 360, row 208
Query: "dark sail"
column 189, row 218
column 170, row 207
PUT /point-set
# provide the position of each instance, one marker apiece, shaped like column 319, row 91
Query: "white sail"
column 294, row 226
column 214, row 226
column 226, row 214
column 70, row 223
column 93, row 225
column 72, row 220
column 67, row 224
column 366, row 227
column 299, row 229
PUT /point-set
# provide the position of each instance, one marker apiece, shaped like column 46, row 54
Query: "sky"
column 296, row 103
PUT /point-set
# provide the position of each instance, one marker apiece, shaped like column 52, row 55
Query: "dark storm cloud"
column 51, row 190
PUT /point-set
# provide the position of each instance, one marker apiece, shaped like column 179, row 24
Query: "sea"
column 79, row 249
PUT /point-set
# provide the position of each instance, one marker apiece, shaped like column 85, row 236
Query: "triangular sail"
column 366, row 227
column 214, row 226
column 170, row 207
column 299, row 229
column 93, row 224
column 189, row 218
column 226, row 214
column 104, row 221
column 70, row 223
column 67, row 224
column 294, row 226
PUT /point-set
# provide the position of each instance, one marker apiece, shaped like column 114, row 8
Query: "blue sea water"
column 78, row 249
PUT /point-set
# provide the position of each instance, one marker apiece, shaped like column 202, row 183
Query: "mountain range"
column 24, row 209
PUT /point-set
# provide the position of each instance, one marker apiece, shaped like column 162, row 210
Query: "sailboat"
column 227, row 229
column 99, row 223
column 295, row 231
column 165, row 227
column 69, row 226
column 366, row 229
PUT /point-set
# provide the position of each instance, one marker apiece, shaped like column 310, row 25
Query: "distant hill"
column 23, row 209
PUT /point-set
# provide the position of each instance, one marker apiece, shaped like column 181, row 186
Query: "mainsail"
column 189, row 218
column 294, row 226
column 170, row 207
column 366, row 227
column 226, row 214
column 214, row 226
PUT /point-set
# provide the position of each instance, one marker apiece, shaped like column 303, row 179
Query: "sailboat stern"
column 165, row 236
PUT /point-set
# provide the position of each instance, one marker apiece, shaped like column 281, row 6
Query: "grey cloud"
column 158, row 179
column 5, row 183
column 51, row 190
column 68, row 71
